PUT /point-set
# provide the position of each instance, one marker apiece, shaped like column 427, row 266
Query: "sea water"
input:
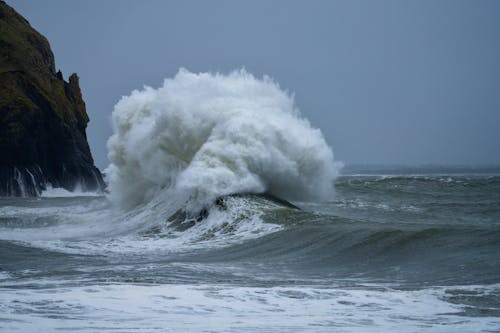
column 184, row 240
column 390, row 252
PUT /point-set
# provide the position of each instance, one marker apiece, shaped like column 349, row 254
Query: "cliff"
column 42, row 116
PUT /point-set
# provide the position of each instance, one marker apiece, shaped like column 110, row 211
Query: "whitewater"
column 226, row 212
column 207, row 135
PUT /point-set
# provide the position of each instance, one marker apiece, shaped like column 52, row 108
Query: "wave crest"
column 206, row 135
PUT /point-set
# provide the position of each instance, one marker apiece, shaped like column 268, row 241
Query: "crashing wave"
column 202, row 136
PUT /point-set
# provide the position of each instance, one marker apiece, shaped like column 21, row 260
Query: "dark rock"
column 267, row 197
column 203, row 214
column 181, row 220
column 42, row 117
column 219, row 202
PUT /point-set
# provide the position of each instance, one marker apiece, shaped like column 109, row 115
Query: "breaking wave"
column 200, row 136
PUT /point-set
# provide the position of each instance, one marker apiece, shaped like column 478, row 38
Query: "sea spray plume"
column 207, row 135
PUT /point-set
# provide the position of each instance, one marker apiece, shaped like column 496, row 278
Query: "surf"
column 201, row 136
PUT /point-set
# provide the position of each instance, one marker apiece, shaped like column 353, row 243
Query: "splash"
column 205, row 135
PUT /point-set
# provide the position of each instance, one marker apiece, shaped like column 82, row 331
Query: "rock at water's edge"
column 42, row 117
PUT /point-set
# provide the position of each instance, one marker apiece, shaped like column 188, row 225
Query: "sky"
column 387, row 82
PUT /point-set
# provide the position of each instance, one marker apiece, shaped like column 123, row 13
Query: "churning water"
column 180, row 244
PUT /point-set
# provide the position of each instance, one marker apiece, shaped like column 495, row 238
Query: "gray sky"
column 392, row 82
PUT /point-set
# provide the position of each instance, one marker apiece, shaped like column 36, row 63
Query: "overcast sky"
column 392, row 82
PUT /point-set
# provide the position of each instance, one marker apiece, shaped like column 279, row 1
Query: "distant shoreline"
column 425, row 169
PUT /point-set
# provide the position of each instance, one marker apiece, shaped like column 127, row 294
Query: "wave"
column 317, row 244
column 200, row 136
column 91, row 226
column 124, row 307
column 59, row 192
column 256, row 230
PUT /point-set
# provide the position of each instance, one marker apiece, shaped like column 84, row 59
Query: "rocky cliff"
column 42, row 116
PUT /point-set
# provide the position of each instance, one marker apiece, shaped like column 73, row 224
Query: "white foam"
column 211, row 134
column 97, row 228
column 219, row 308
column 59, row 192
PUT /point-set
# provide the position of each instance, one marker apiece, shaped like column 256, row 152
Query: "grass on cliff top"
column 24, row 50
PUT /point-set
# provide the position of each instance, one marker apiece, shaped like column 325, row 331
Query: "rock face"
column 42, row 117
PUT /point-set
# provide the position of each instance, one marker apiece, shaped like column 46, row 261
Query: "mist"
column 206, row 135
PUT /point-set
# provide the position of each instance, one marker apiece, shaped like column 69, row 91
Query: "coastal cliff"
column 42, row 117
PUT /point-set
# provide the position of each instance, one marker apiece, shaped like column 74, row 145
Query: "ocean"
column 225, row 211
column 400, row 249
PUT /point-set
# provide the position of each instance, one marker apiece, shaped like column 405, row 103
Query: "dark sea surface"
column 397, row 249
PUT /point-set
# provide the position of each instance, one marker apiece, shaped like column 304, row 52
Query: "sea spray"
column 205, row 135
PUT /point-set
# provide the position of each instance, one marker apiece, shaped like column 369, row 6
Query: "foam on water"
column 320, row 273
column 59, row 192
column 99, row 229
column 179, row 147
column 208, row 135
column 207, row 308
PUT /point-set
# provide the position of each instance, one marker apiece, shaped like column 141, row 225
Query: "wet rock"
column 42, row 117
